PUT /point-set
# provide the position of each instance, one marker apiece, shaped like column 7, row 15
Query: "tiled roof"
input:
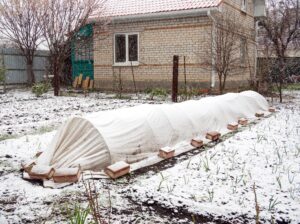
column 115, row 8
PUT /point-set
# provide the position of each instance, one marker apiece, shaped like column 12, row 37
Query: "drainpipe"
column 256, row 53
column 213, row 38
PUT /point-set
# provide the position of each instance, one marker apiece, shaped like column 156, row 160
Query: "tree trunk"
column 280, row 91
column 56, row 79
column 220, row 84
column 282, row 76
column 30, row 73
column 224, row 82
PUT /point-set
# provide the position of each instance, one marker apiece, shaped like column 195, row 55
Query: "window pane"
column 133, row 47
column 120, row 48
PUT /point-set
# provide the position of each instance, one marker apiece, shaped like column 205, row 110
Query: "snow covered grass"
column 219, row 182
column 21, row 112
column 214, row 185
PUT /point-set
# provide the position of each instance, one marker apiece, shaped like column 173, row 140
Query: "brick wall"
column 158, row 42
column 247, row 70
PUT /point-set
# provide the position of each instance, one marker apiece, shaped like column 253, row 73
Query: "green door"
column 82, row 53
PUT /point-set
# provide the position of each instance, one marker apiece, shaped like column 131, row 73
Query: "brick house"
column 143, row 35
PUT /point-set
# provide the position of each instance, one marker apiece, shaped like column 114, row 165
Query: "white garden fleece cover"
column 133, row 134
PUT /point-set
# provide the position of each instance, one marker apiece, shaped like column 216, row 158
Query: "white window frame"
column 244, row 5
column 127, row 62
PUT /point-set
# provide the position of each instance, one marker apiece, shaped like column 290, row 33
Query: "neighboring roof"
column 119, row 8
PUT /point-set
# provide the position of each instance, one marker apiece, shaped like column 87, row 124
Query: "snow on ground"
column 22, row 112
column 214, row 185
column 219, row 181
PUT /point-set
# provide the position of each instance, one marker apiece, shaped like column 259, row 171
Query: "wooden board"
column 75, row 83
column 85, row 84
column 91, row 86
column 80, row 80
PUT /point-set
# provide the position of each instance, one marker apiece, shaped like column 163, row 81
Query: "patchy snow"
column 21, row 112
column 219, row 181
column 216, row 183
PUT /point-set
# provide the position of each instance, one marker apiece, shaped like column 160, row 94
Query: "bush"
column 158, row 92
column 2, row 74
column 40, row 88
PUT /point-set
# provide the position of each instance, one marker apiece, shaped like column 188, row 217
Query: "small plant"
column 79, row 215
column 171, row 188
column 188, row 93
column 193, row 196
column 2, row 74
column 292, row 191
column 210, row 194
column 279, row 156
column 186, row 180
column 291, row 176
column 189, row 162
column 40, row 88
column 161, row 181
column 297, row 151
column 206, row 164
column 279, row 182
column 272, row 203
column 218, row 170
column 159, row 92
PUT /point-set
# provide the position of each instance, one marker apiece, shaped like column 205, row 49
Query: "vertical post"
column 120, row 84
column 184, row 72
column 133, row 78
column 175, row 78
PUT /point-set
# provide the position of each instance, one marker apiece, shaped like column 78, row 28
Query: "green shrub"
column 79, row 215
column 40, row 88
column 2, row 75
column 158, row 92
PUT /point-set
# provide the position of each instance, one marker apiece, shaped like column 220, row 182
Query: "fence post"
column 175, row 78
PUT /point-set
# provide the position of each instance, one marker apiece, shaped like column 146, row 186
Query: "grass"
column 79, row 215
column 6, row 137
column 44, row 129
column 293, row 86
column 40, row 130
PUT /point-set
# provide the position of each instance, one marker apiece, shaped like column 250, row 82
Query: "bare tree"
column 62, row 20
column 20, row 24
column 282, row 29
column 225, row 55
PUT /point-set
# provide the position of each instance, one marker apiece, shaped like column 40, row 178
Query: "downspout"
column 256, row 53
column 213, row 38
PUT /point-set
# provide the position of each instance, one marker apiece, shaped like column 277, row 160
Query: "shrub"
column 2, row 74
column 40, row 88
column 158, row 92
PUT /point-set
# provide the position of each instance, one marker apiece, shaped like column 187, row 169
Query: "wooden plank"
column 75, row 83
column 80, row 80
column 85, row 84
column 91, row 84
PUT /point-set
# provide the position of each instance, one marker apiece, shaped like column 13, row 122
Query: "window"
column 243, row 50
column 126, row 47
column 244, row 5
